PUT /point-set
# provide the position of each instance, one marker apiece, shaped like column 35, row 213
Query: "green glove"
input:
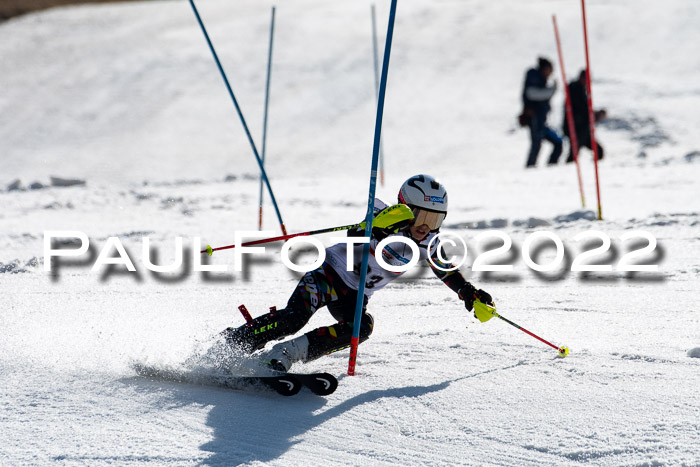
column 482, row 311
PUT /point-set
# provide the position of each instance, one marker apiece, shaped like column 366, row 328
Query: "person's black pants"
column 317, row 288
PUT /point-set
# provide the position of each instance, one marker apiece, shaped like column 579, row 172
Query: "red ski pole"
column 392, row 217
column 209, row 250
column 482, row 310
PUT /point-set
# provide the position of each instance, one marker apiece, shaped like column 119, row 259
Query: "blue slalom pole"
column 376, row 90
column 267, row 101
column 240, row 114
column 355, row 340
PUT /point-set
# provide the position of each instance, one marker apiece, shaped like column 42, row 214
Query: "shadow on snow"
column 262, row 426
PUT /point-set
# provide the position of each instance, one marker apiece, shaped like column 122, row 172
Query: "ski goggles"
column 431, row 218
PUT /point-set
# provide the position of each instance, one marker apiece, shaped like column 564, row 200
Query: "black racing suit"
column 318, row 288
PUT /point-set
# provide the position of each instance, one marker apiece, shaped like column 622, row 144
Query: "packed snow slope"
column 127, row 98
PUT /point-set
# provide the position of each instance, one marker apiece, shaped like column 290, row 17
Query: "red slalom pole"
column 569, row 113
column 591, row 117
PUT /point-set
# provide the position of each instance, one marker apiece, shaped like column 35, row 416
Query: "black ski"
column 321, row 384
column 286, row 384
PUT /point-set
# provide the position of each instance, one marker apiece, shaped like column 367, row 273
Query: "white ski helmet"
column 427, row 198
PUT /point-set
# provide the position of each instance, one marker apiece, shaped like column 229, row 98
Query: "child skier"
column 332, row 285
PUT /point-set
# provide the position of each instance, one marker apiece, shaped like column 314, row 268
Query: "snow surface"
column 127, row 98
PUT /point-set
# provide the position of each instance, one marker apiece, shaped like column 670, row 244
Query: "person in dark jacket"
column 579, row 109
column 536, row 96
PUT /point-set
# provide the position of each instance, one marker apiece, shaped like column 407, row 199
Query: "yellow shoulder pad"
column 392, row 215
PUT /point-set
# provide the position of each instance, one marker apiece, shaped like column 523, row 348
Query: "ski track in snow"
column 125, row 98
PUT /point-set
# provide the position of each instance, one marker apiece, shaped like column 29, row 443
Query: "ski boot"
column 283, row 355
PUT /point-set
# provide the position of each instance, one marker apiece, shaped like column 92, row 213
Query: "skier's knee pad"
column 329, row 339
column 366, row 326
column 343, row 309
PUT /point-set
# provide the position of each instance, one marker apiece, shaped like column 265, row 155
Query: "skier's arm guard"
column 456, row 281
column 453, row 279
